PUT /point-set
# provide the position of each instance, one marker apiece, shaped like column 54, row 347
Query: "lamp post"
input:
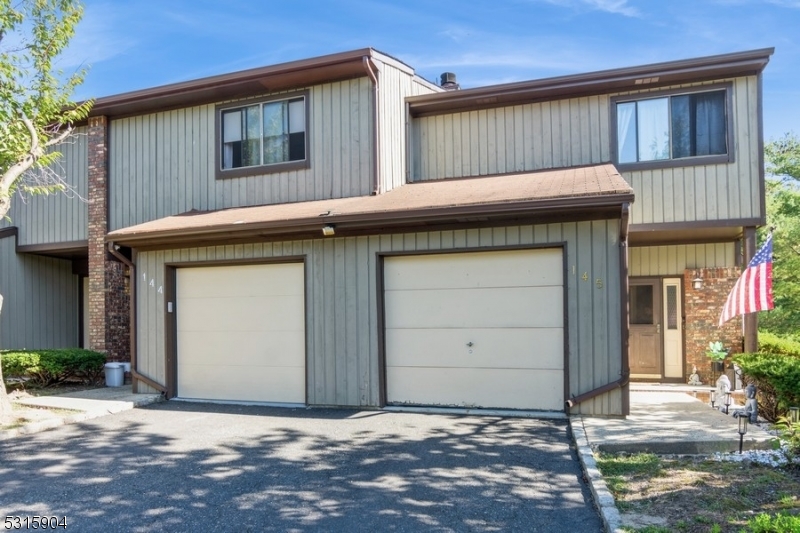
column 742, row 430
column 713, row 396
column 727, row 401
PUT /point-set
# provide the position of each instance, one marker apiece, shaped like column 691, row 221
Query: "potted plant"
column 717, row 353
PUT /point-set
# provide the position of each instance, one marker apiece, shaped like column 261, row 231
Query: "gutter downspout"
column 623, row 381
column 376, row 188
column 135, row 375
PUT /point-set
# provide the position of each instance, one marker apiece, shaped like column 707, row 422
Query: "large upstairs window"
column 263, row 136
column 672, row 129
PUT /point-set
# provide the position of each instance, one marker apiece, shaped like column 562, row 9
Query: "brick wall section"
column 109, row 293
column 703, row 308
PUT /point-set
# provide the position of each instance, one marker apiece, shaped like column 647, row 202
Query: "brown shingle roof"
column 526, row 194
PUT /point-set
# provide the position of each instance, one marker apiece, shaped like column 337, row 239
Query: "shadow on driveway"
column 187, row 467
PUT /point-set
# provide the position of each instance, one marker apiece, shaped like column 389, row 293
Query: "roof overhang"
column 602, row 82
column 257, row 81
column 584, row 193
column 698, row 232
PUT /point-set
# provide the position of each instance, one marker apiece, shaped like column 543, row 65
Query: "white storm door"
column 241, row 333
column 673, row 328
column 475, row 329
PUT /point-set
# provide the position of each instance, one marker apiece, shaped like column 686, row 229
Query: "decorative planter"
column 718, row 366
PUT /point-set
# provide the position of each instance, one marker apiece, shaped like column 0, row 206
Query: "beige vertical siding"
column 561, row 133
column 673, row 260
column 341, row 289
column 577, row 131
column 710, row 192
column 395, row 85
column 163, row 163
column 40, row 300
column 58, row 217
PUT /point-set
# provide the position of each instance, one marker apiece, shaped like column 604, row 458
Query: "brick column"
column 109, row 291
column 703, row 309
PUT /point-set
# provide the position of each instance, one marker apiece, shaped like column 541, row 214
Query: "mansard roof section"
column 273, row 78
column 601, row 82
column 577, row 193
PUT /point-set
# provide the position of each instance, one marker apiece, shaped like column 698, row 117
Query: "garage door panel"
column 471, row 270
column 473, row 308
column 241, row 280
column 241, row 333
column 486, row 388
column 277, row 348
column 240, row 314
column 263, row 384
column 508, row 305
column 527, row 348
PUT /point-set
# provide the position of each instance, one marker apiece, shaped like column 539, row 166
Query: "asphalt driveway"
column 196, row 467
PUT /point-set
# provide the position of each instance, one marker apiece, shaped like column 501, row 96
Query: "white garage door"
column 480, row 329
column 241, row 333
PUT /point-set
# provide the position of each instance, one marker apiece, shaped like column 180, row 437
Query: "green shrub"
column 771, row 343
column 777, row 378
column 780, row 523
column 48, row 367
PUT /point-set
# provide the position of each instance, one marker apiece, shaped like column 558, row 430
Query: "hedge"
column 771, row 343
column 49, row 367
column 777, row 378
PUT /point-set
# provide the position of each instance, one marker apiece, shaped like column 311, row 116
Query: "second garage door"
column 483, row 329
column 241, row 333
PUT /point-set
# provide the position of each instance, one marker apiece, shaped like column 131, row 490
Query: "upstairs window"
column 673, row 127
column 266, row 136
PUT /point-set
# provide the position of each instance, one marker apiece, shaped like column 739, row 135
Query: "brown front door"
column 645, row 334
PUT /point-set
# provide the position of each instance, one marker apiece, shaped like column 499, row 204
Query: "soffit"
column 295, row 74
column 601, row 82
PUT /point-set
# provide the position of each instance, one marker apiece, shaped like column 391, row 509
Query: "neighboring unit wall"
column 163, row 163
column 342, row 328
column 711, row 192
column 40, row 300
column 577, row 131
column 561, row 133
column 58, row 217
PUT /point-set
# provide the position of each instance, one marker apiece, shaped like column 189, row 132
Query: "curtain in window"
column 653, row 126
column 710, row 123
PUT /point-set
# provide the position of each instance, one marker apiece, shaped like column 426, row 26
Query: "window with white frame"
column 264, row 133
column 673, row 127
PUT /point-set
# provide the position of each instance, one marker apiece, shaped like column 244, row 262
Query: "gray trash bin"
column 115, row 374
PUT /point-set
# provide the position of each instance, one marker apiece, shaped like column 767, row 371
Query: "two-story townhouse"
column 338, row 231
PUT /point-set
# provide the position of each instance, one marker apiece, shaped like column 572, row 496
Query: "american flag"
column 753, row 290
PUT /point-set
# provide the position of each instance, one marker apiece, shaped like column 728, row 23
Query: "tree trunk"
column 6, row 414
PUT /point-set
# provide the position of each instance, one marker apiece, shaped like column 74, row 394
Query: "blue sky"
column 135, row 44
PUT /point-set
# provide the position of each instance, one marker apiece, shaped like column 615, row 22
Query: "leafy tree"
column 36, row 111
column 783, row 213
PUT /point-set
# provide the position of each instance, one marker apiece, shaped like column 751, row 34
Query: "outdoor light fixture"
column 328, row 230
column 794, row 415
column 697, row 282
column 742, row 430
column 713, row 398
column 727, row 401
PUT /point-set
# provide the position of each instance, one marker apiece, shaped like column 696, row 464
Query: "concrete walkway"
column 87, row 404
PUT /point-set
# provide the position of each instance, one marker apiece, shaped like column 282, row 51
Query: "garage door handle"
column 470, row 344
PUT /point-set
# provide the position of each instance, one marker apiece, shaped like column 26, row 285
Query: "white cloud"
column 618, row 7
column 97, row 38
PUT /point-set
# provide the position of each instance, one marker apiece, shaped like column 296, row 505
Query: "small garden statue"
column 750, row 405
column 694, row 378
column 723, row 388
